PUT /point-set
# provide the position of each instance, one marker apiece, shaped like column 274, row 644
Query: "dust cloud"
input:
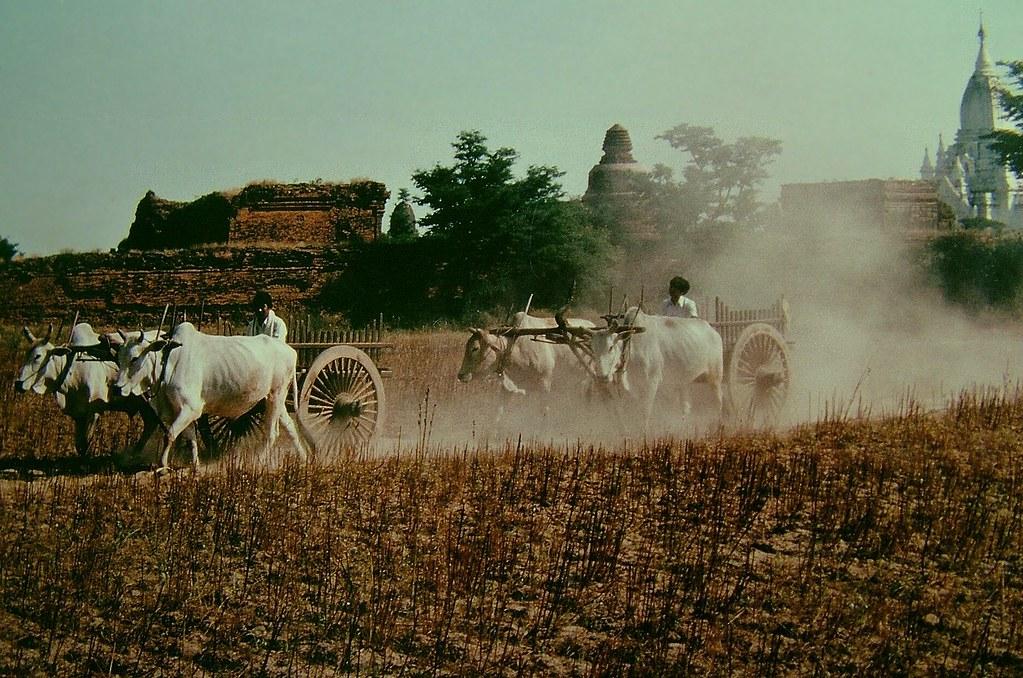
column 869, row 335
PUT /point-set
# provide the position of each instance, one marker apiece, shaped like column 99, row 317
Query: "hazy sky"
column 102, row 100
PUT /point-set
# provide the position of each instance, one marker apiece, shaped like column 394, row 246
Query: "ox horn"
column 28, row 334
column 529, row 302
column 166, row 308
column 120, row 333
column 71, row 331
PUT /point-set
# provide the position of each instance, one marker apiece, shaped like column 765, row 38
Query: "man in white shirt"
column 264, row 320
column 677, row 305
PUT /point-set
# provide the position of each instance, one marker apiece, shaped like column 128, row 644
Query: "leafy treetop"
column 508, row 237
column 719, row 182
column 8, row 250
column 1009, row 143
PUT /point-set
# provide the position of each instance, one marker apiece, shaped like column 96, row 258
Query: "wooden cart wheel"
column 341, row 404
column 759, row 375
column 220, row 434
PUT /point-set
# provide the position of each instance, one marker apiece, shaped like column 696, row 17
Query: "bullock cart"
column 341, row 402
column 757, row 371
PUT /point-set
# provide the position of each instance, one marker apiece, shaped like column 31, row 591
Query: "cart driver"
column 264, row 320
column 677, row 305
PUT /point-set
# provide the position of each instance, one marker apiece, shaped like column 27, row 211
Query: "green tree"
column 720, row 181
column 506, row 237
column 8, row 250
column 1006, row 142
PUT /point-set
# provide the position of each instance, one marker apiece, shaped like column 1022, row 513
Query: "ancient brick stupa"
column 616, row 173
column 616, row 185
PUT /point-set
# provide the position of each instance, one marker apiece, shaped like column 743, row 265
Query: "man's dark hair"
column 262, row 298
column 679, row 283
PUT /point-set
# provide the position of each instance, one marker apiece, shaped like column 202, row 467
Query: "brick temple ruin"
column 211, row 253
column 262, row 215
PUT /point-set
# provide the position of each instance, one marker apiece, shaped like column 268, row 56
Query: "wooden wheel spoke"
column 362, row 390
column 319, row 402
column 370, row 415
column 352, row 377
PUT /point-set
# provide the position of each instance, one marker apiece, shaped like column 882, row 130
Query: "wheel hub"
column 769, row 377
column 345, row 407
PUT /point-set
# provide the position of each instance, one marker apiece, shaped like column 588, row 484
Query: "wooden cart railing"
column 730, row 323
column 307, row 336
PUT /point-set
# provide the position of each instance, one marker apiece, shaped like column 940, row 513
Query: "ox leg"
column 686, row 401
column 648, row 401
column 274, row 407
column 719, row 399
column 184, row 419
column 83, row 433
column 191, row 435
column 292, row 431
column 274, row 414
column 277, row 415
column 150, row 422
column 202, row 428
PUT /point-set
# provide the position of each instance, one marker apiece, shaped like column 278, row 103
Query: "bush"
column 978, row 271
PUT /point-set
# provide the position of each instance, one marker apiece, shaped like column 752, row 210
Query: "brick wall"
column 254, row 225
column 119, row 287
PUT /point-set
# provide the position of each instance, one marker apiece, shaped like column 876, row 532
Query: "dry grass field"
column 886, row 547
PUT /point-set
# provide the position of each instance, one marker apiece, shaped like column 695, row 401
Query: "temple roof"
column 977, row 110
column 617, row 146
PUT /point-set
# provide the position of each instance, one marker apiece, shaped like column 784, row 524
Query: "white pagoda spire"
column 983, row 65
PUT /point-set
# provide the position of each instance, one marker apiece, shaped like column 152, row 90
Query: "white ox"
column 667, row 353
column 524, row 366
column 81, row 376
column 195, row 373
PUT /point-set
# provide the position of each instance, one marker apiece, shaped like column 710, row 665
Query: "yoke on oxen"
column 577, row 339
